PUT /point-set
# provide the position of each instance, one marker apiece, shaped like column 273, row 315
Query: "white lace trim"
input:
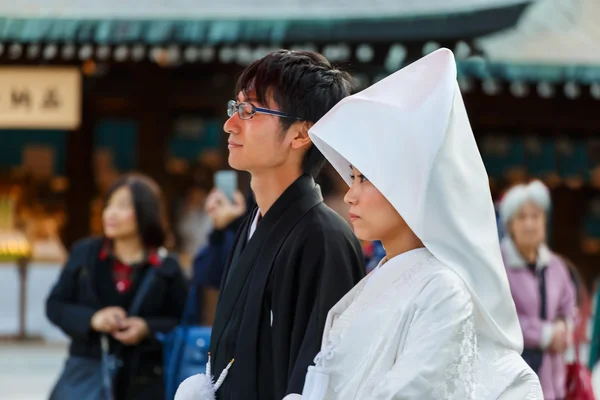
column 461, row 376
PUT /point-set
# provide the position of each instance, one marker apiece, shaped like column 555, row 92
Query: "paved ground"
column 28, row 371
column 39, row 282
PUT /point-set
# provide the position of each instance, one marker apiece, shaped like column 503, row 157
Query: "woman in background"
column 97, row 288
column 540, row 283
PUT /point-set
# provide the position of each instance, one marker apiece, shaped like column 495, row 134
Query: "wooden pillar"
column 153, row 115
column 154, row 129
column 152, row 112
column 80, row 145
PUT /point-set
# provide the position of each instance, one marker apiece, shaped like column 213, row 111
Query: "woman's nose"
column 350, row 197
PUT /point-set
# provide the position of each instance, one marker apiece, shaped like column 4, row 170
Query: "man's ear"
column 300, row 135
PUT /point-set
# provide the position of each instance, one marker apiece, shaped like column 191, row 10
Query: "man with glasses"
column 293, row 258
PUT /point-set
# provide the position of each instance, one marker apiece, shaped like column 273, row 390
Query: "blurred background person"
column 583, row 304
column 209, row 263
column 541, row 285
column 194, row 224
column 97, row 287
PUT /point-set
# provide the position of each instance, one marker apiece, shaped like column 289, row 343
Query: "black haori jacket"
column 276, row 292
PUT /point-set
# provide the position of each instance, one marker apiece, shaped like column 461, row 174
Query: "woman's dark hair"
column 303, row 84
column 148, row 206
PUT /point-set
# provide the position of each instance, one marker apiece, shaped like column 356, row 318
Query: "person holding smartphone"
column 293, row 257
column 226, row 207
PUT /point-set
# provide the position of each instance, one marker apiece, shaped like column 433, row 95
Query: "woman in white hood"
column 435, row 320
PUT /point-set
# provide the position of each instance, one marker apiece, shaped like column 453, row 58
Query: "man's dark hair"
column 303, row 84
column 148, row 206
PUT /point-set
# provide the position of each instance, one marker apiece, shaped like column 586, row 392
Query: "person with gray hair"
column 540, row 283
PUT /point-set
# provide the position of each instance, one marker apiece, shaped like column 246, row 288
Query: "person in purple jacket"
column 540, row 283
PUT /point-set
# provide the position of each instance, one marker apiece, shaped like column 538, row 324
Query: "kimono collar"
column 514, row 259
column 400, row 258
column 388, row 270
column 300, row 187
column 410, row 135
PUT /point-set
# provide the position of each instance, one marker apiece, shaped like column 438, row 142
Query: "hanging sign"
column 40, row 98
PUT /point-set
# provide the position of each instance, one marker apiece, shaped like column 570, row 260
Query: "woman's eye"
column 362, row 178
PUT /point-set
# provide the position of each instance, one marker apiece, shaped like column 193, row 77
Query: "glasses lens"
column 246, row 110
column 231, row 106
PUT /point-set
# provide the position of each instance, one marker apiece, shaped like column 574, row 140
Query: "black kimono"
column 276, row 292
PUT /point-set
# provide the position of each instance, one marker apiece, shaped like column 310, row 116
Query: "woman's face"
column 528, row 226
column 119, row 218
column 371, row 214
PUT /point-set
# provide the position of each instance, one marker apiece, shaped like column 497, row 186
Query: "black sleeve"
column 326, row 268
column 175, row 303
column 62, row 307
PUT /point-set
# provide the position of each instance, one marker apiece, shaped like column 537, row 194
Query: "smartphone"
column 226, row 181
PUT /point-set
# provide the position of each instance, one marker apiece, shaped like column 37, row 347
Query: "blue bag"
column 185, row 350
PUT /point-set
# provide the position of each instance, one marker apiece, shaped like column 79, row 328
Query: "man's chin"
column 235, row 163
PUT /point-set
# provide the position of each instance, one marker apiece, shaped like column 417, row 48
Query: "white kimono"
column 409, row 331
column 437, row 323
